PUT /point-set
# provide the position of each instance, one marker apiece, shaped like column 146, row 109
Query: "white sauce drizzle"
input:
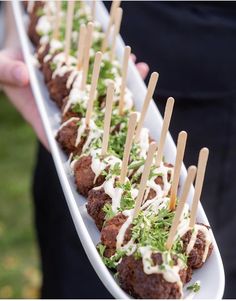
column 61, row 68
column 68, row 121
column 94, row 133
column 44, row 26
column 98, row 165
column 170, row 273
column 121, row 235
column 115, row 193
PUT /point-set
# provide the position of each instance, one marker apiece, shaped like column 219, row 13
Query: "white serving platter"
column 211, row 274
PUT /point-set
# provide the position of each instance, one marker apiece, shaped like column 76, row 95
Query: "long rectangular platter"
column 211, row 274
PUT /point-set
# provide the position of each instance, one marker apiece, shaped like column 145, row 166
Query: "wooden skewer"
column 144, row 178
column 150, row 91
column 182, row 138
column 187, row 184
column 118, row 17
column 124, row 77
column 69, row 17
column 114, row 6
column 107, row 119
column 165, row 128
column 30, row 6
column 94, row 82
column 128, row 144
column 81, row 44
column 93, row 10
column 202, row 162
column 57, row 20
column 48, row 10
column 87, row 46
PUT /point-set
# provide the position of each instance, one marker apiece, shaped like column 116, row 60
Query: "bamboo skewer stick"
column 48, row 10
column 181, row 144
column 95, row 75
column 30, row 6
column 179, row 211
column 165, row 128
column 124, row 77
column 57, row 20
column 150, row 91
column 128, row 144
column 69, row 17
column 107, row 119
column 81, row 44
column 202, row 162
column 93, row 9
column 114, row 6
column 118, row 17
column 87, row 46
column 144, row 178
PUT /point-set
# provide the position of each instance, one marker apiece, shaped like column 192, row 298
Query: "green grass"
column 19, row 267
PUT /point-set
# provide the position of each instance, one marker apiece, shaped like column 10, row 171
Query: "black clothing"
column 193, row 46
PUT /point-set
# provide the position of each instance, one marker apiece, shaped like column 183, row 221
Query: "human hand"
column 14, row 80
column 142, row 67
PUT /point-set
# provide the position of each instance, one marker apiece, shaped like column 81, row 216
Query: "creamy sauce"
column 94, row 133
column 169, row 273
column 121, row 235
column 53, row 47
column 193, row 239
column 98, row 164
column 61, row 68
column 183, row 228
column 77, row 96
column 44, row 26
column 68, row 121
column 115, row 193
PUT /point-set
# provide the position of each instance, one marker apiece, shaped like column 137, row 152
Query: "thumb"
column 13, row 72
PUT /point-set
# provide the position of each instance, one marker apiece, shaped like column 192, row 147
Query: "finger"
column 13, row 72
column 143, row 69
column 133, row 57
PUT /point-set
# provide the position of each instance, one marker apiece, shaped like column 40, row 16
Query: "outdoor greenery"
column 19, row 266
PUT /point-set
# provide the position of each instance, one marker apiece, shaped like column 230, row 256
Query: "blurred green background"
column 19, row 266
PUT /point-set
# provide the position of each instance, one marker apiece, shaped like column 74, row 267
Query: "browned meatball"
column 67, row 135
column 97, row 198
column 85, row 177
column 195, row 258
column 33, row 35
column 47, row 71
column 110, row 231
column 57, row 88
column 137, row 283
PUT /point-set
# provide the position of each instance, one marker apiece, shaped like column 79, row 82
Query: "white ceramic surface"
column 212, row 274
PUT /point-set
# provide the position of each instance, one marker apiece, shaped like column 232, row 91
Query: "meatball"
column 85, row 177
column 137, row 283
column 57, row 88
column 67, row 135
column 110, row 231
column 33, row 35
column 97, row 198
column 195, row 257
